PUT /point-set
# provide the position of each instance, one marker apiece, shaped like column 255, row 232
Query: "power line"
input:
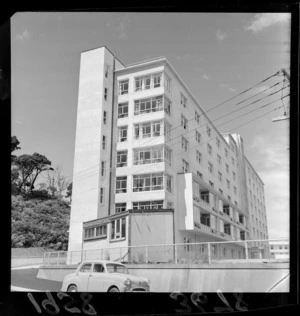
column 256, row 118
column 174, row 155
column 197, row 128
column 112, row 158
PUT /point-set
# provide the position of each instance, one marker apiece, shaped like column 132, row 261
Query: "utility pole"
column 286, row 115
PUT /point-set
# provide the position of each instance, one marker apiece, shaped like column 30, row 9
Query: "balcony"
column 201, row 202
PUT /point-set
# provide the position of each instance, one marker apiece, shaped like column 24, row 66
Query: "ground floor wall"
column 227, row 277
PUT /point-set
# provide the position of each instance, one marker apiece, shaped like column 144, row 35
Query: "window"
column 211, row 184
column 228, row 184
column 148, row 82
column 86, row 268
column 169, row 205
column 199, row 175
column 233, row 175
column 219, row 159
column 219, row 176
column 226, row 209
column 149, row 129
column 152, row 155
column 102, row 168
column 98, row 268
column 241, row 219
column 208, row 131
column 122, row 158
column 101, row 231
column 184, row 143
column 227, row 229
column 103, row 142
column 205, row 219
column 184, row 122
column 198, row 137
column 167, row 106
column 105, row 94
column 121, row 184
column 123, row 87
column 148, row 182
column 101, row 195
column 89, row 233
column 183, row 100
column 120, row 207
column 209, row 149
column 118, row 228
column 198, row 156
column 186, row 242
column 122, row 134
column 106, row 70
column 148, row 105
column 197, row 117
column 148, row 205
column 185, row 166
column 227, row 168
column 218, row 142
column 104, row 117
column 122, row 110
column 210, row 167
column 157, row 80
column 229, row 198
column 169, row 183
column 221, row 191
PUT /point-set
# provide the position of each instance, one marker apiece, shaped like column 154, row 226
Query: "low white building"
column 280, row 249
column 151, row 168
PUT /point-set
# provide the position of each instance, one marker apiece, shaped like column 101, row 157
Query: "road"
column 26, row 278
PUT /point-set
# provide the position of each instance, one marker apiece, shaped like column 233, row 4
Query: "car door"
column 83, row 275
column 97, row 280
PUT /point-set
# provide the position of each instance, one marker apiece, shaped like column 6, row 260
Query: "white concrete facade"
column 161, row 149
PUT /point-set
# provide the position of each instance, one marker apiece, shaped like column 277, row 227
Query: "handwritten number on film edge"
column 86, row 307
column 199, row 298
column 61, row 295
column 184, row 304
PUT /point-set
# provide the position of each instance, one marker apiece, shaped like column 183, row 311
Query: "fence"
column 206, row 252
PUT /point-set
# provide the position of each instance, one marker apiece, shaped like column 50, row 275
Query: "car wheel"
column 113, row 289
column 72, row 288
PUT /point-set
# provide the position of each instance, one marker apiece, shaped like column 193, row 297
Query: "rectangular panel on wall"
column 220, row 205
column 221, row 226
column 232, row 230
column 213, row 221
column 238, row 233
column 230, row 211
column 236, row 213
column 195, row 189
column 211, row 199
column 197, row 214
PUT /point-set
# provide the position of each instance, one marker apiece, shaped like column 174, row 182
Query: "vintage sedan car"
column 103, row 276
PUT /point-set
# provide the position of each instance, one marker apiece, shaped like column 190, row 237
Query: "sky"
column 218, row 55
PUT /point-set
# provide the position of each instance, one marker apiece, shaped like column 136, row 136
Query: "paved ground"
column 24, row 279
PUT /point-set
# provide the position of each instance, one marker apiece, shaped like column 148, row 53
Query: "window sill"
column 116, row 240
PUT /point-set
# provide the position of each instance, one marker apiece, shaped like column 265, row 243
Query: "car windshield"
column 116, row 268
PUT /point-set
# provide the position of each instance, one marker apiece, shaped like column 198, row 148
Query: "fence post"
column 44, row 261
column 208, row 252
column 49, row 258
column 146, row 254
column 58, row 258
column 175, row 254
column 246, row 250
column 71, row 257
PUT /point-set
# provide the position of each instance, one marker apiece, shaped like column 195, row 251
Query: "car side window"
column 98, row 268
column 86, row 267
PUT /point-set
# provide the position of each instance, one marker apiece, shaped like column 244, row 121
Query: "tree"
column 29, row 167
column 14, row 146
column 69, row 192
column 56, row 183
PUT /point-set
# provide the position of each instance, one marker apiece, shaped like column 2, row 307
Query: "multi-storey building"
column 150, row 167
column 280, row 249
